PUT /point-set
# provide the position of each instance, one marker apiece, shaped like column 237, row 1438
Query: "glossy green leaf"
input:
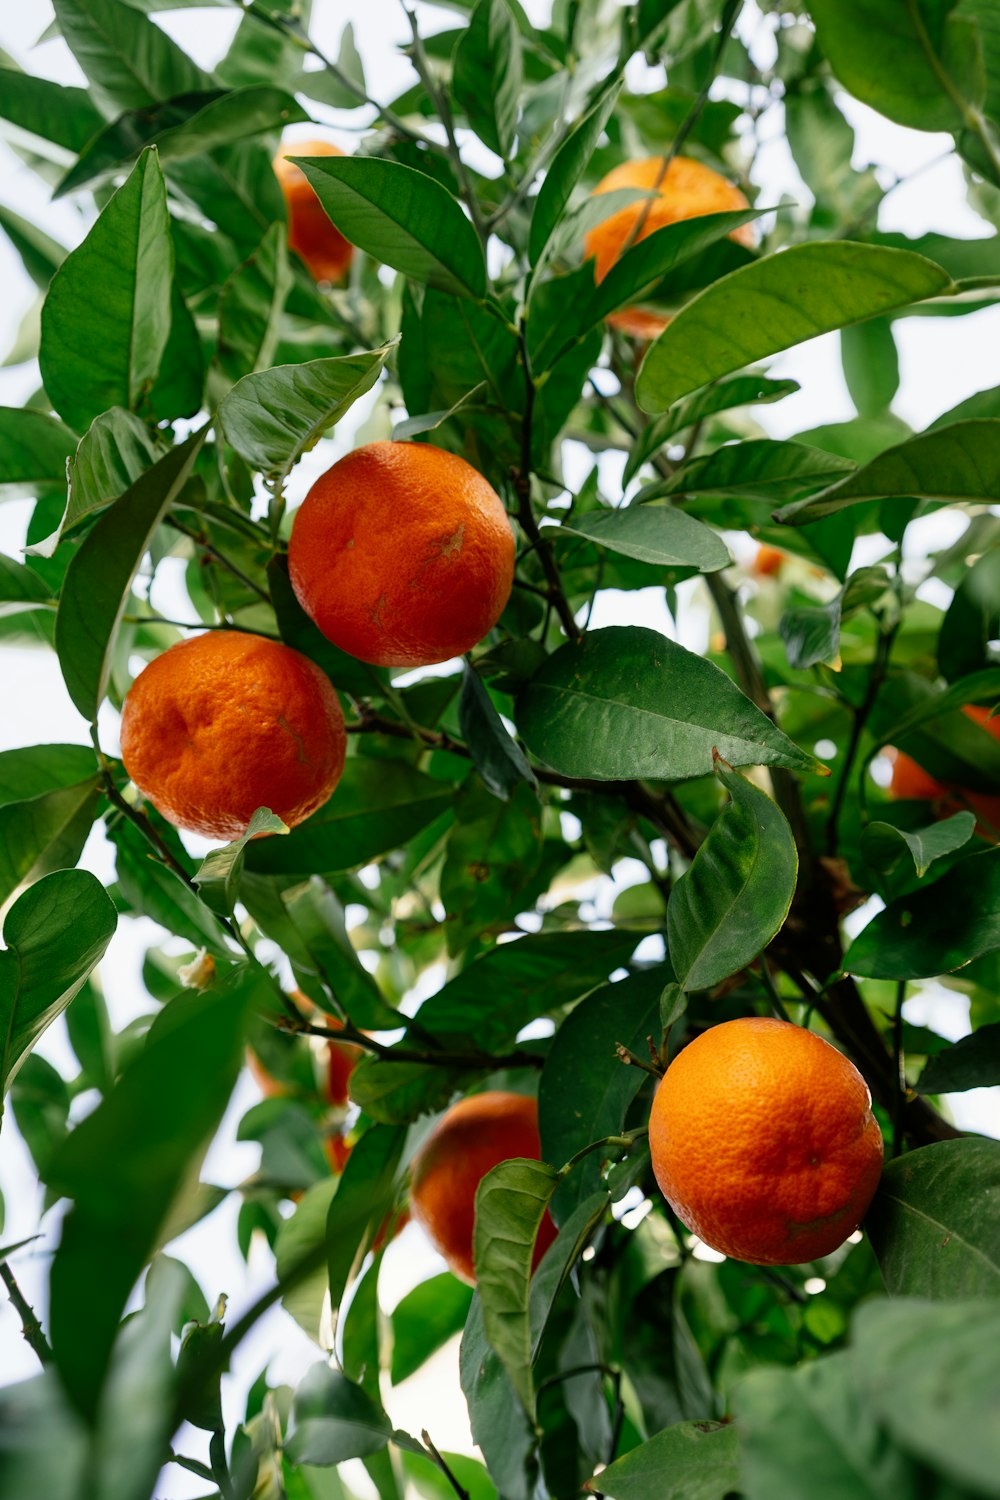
column 56, row 112
column 871, row 365
column 378, row 805
column 334, row 1420
column 917, row 63
column 776, row 303
column 424, row 1320
column 487, row 74
column 100, row 575
column 972, row 620
column 935, row 1221
column 40, row 253
column 499, row 1422
column 21, row 587
column 497, row 757
column 568, row 166
column 363, row 1198
column 814, row 1420
column 936, row 929
column 150, row 886
column 689, row 1461
column 758, row 469
column 129, row 61
column 403, row 218
column 48, row 800
column 113, row 453
column 585, row 1090
column 882, row 844
column 511, row 1202
column 957, row 463
column 928, row 1370
column 54, row 935
column 272, row 417
column 734, row 898
column 656, row 534
column 972, row 1063
column 491, row 856
column 627, row 702
column 316, row 934
column 250, row 308
column 396, row 1093
column 218, row 875
column 119, row 277
column 299, row 1258
column 738, row 390
column 34, row 447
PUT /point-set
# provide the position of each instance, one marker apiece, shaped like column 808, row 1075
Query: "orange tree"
column 581, row 849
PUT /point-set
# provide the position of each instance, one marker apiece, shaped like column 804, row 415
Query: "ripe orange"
column 310, row 233
column 768, row 562
column 912, row 782
column 471, row 1138
column 686, row 190
column 402, row 554
column 227, row 722
column 909, row 780
column 764, row 1143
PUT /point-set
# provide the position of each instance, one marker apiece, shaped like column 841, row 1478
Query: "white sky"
column 942, row 360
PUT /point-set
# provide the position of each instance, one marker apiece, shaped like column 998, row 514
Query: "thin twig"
column 213, row 552
column 899, row 1064
column 435, row 1454
column 432, row 1058
column 30, row 1325
column 883, row 650
column 631, row 1060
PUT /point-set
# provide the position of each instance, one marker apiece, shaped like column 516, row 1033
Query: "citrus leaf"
column 758, row 469
column 929, row 1372
column 497, row 757
column 424, row 1320
column 128, row 61
column 935, row 1221
column 21, row 587
column 56, row 112
column 511, row 1202
column 734, row 897
column 499, row 1422
column 41, row 255
column 218, row 875
column 54, row 934
column 654, row 534
column 882, row 843
column 394, row 1093
column 487, row 74
column 492, row 855
column 250, row 308
column 972, row 1063
column 48, row 799
column 363, row 1198
column 627, row 702
column 568, row 166
column 112, row 454
column 300, row 1238
column 957, row 463
column 936, row 929
column 972, row 620
column 120, row 277
column 274, row 416
column 100, row 575
column 689, row 1461
column 776, row 303
column 402, row 217
column 334, row 1420
column 738, row 390
column 34, row 447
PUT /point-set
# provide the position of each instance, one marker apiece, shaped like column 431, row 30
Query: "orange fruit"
column 686, row 190
column 909, row 780
column 768, row 561
column 402, row 554
column 310, row 233
column 764, row 1143
column 227, row 722
column 471, row 1138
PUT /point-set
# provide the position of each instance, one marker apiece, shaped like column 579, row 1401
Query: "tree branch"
column 30, row 1325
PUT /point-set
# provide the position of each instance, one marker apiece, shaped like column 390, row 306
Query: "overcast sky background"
column 943, row 360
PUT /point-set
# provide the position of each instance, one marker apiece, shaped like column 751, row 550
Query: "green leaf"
column 511, row 1202
column 395, row 1093
column 814, row 1420
column 40, row 253
column 299, row 1242
column 121, row 1206
column 957, row 463
column 757, row 469
column 655, row 534
column 917, row 63
column 497, row 757
column 99, row 577
column 56, row 112
column 158, row 892
column 568, row 166
column 935, row 1221
column 689, row 1461
column 627, row 702
column 34, row 447
column 21, row 588
column 738, row 390
column 533, row 975
column 119, row 279
column 882, row 844
column 424, row 1320
column 929, row 1371
column 271, row 418
column 334, row 1420
column 936, row 929
column 871, row 365
column 54, row 935
column 499, row 1422
column 363, row 1198
column 128, row 60
column 488, row 73
column 113, row 453
column 972, row 1063
column 378, row 805
column 250, row 308
column 91, row 1037
column 585, row 1091
column 180, row 128
column 972, row 620
column 492, row 855
column 736, row 894
column 199, row 1374
column 776, row 303
column 48, row 799
column 402, row 217
column 218, row 875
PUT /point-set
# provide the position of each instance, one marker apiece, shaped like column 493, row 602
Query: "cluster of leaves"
column 187, row 362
